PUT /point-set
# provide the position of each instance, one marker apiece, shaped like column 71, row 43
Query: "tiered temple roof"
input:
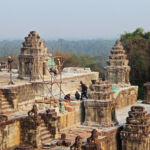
column 100, row 107
column 136, row 130
column 33, row 60
column 102, row 90
column 33, row 44
column 118, row 69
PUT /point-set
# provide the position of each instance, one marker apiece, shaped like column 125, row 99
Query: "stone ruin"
column 33, row 60
column 92, row 143
column 117, row 71
column 76, row 70
column 48, row 128
column 100, row 107
column 136, row 133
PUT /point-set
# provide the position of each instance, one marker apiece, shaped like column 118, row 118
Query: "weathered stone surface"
column 30, row 128
column 100, row 109
column 78, row 144
column 76, row 70
column 33, row 60
column 71, row 118
column 42, row 130
column 10, row 134
column 92, row 142
column 63, row 141
column 135, row 135
column 126, row 96
column 117, row 71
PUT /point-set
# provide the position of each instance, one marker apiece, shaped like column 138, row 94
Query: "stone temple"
column 118, row 69
column 31, row 119
column 33, row 59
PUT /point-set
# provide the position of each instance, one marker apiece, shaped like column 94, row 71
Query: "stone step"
column 46, row 148
column 43, row 129
column 4, row 102
column 45, row 137
column 8, row 111
column 43, row 126
column 6, row 106
column 2, row 97
column 44, row 132
column 47, row 141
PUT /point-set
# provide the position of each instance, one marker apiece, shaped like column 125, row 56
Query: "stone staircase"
column 6, row 107
column 45, row 135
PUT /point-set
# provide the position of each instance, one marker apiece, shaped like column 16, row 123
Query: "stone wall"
column 110, row 139
column 73, row 83
column 99, row 113
column 135, row 135
column 107, row 139
column 10, row 134
column 72, row 116
column 127, row 96
column 21, row 97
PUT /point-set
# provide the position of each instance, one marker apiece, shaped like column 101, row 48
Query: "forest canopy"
column 137, row 45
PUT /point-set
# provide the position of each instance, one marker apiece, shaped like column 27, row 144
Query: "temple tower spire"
column 33, row 60
column 117, row 71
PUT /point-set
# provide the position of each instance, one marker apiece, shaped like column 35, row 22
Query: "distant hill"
column 101, row 62
column 91, row 47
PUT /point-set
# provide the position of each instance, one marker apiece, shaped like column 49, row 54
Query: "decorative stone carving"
column 33, row 60
column 31, row 128
column 100, row 107
column 93, row 137
column 3, row 119
column 52, row 121
column 78, row 144
column 63, row 141
column 136, row 130
column 33, row 117
column 92, row 142
column 117, row 71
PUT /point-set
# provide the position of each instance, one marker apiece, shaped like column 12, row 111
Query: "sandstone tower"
column 33, row 60
column 100, row 107
column 117, row 71
column 135, row 135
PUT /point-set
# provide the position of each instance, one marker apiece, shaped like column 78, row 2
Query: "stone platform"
column 23, row 94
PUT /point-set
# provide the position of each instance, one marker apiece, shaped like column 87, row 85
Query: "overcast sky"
column 72, row 18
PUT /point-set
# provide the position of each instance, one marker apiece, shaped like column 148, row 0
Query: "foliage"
column 73, row 60
column 82, row 53
column 90, row 47
column 137, row 45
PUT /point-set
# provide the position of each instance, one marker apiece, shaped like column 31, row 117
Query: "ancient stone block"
column 33, row 60
column 118, row 69
column 135, row 135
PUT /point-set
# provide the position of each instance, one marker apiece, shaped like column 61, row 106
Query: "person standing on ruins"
column 83, row 90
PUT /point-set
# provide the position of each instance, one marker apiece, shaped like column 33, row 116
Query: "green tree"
column 137, row 45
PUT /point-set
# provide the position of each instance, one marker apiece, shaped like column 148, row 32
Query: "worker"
column 10, row 60
column 67, row 97
column 83, row 90
column 52, row 70
column 77, row 95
